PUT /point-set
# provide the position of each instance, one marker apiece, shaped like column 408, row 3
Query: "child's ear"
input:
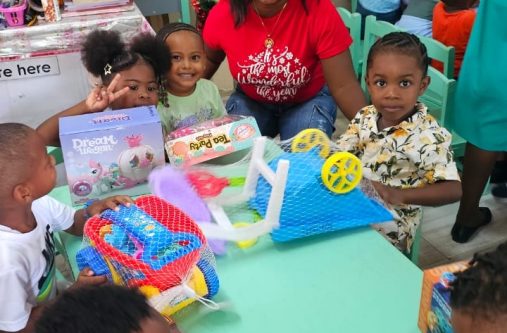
column 22, row 193
column 424, row 85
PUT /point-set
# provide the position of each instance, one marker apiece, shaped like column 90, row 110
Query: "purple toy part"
column 172, row 185
column 139, row 248
column 81, row 188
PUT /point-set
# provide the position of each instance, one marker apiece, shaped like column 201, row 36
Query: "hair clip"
column 107, row 69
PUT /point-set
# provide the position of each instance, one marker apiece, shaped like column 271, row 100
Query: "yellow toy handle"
column 309, row 138
column 341, row 172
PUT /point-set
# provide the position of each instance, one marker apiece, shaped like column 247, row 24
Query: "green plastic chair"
column 442, row 53
column 353, row 5
column 159, row 7
column 353, row 22
column 56, row 152
column 439, row 98
column 416, row 245
column 62, row 249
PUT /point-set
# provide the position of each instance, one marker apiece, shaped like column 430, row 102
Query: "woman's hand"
column 101, row 97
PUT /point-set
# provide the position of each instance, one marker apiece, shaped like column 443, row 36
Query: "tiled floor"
column 437, row 246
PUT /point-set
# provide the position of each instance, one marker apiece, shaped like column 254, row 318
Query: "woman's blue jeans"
column 287, row 119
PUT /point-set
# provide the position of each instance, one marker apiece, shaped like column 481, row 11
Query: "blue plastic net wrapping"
column 309, row 207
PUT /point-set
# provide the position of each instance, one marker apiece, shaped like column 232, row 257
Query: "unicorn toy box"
column 111, row 150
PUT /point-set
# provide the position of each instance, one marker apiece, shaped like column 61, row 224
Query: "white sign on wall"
column 25, row 69
column 33, row 89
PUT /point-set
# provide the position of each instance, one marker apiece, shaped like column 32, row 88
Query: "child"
column 384, row 10
column 191, row 98
column 130, row 76
column 28, row 218
column 452, row 25
column 417, row 17
column 102, row 309
column 479, row 294
column 403, row 150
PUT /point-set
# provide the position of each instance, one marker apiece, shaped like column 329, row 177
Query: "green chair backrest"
column 160, row 7
column 439, row 98
column 353, row 22
column 440, row 52
column 353, row 6
column 56, row 152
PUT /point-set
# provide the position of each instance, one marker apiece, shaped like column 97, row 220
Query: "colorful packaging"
column 109, row 151
column 435, row 309
column 210, row 139
column 51, row 10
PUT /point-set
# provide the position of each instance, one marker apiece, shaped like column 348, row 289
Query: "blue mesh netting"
column 309, row 207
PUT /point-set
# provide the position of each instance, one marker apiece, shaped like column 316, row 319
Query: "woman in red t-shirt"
column 290, row 60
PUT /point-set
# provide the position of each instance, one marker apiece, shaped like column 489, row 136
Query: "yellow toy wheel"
column 341, row 172
column 309, row 138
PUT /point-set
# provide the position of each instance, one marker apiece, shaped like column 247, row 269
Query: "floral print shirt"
column 411, row 154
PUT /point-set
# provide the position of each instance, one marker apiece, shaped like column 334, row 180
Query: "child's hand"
column 101, row 97
column 88, row 277
column 113, row 202
column 390, row 195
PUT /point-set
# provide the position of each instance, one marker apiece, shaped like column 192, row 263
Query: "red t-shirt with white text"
column 290, row 71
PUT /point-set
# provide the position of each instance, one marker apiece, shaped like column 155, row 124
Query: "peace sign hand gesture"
column 101, row 97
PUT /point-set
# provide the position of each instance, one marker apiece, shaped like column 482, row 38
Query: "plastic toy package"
column 435, row 310
column 210, row 139
column 153, row 246
column 291, row 189
column 110, row 151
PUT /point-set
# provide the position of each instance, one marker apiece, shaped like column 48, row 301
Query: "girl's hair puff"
column 153, row 52
column 104, row 54
column 401, row 43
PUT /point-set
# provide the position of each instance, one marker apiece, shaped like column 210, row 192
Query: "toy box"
column 109, row 151
column 435, row 309
column 210, row 139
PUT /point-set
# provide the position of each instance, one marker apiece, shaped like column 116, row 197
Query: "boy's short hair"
column 481, row 290
column 401, row 42
column 97, row 309
column 14, row 155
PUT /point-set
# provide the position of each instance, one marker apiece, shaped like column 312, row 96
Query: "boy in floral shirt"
column 404, row 152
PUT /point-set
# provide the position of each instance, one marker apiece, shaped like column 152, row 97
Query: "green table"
column 350, row 282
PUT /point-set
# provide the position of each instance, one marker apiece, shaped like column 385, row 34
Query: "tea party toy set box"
column 210, row 139
column 111, row 150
